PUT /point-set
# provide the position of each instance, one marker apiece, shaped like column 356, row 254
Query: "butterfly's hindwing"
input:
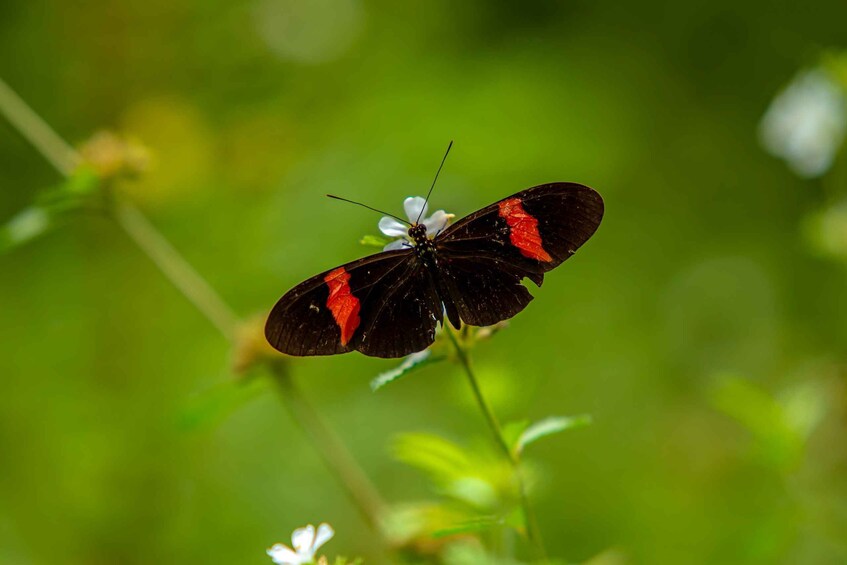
column 484, row 291
column 400, row 317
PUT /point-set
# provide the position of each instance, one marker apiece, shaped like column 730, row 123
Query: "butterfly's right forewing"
column 535, row 230
column 484, row 256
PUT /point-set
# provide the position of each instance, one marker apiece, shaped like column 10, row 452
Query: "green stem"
column 532, row 530
column 349, row 475
column 61, row 155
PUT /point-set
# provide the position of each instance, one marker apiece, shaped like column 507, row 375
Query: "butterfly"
column 390, row 303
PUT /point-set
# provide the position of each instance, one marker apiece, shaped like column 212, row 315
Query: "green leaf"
column 405, row 522
column 469, row 552
column 74, row 191
column 83, row 182
column 779, row 424
column 835, row 63
column 550, row 426
column 49, row 210
column 344, row 561
column 374, row 241
column 475, row 491
column 516, row 519
column 411, row 363
column 751, row 406
column 443, row 460
column 25, row 226
column 456, row 472
column 481, row 524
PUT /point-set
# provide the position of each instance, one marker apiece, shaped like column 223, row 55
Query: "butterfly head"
column 417, row 233
column 414, row 232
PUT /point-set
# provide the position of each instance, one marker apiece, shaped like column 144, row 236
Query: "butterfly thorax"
column 424, row 246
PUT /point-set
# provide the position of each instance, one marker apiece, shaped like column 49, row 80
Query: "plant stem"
column 532, row 530
column 349, row 475
column 200, row 293
column 175, row 268
column 52, row 147
column 490, row 417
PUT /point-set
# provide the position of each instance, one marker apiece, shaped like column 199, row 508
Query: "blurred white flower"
column 805, row 123
column 305, row 541
column 415, row 207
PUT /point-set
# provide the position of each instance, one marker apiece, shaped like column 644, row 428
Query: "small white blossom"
column 805, row 123
column 415, row 207
column 305, row 541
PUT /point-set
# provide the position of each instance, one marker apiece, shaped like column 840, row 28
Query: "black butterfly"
column 388, row 304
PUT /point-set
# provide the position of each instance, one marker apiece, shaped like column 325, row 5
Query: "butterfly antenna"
column 401, row 220
column 435, row 179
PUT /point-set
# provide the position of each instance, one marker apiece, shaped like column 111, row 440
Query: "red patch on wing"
column 523, row 230
column 341, row 302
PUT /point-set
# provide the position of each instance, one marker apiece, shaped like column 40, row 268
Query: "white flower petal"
column 413, row 206
column 806, row 123
column 397, row 244
column 283, row 555
column 325, row 533
column 391, row 227
column 437, row 222
column 303, row 538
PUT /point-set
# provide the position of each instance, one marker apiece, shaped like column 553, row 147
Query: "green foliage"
column 408, row 365
column 473, row 526
column 25, row 226
column 441, row 459
column 826, row 231
column 476, row 489
column 470, row 553
column 208, row 408
column 779, row 425
column 374, row 241
column 51, row 209
column 512, row 433
column 408, row 523
column 547, row 427
column 835, row 62
column 345, row 561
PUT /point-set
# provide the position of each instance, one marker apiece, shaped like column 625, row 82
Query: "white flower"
column 805, row 123
column 305, row 542
column 415, row 208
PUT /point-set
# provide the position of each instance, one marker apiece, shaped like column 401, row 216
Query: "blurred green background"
column 703, row 327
